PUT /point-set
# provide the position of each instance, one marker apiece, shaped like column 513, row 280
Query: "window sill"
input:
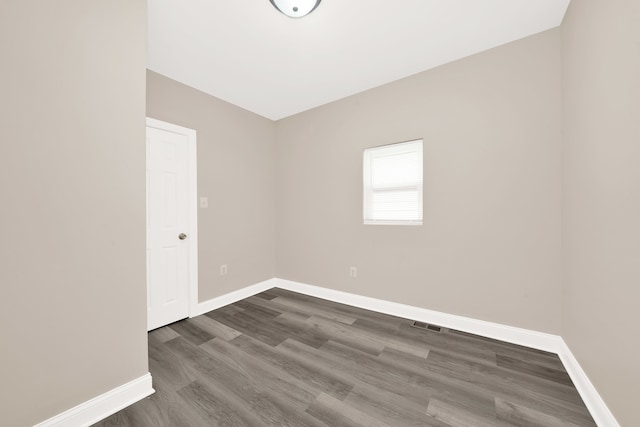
column 390, row 222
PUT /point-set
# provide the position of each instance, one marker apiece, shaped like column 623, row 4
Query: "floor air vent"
column 422, row 325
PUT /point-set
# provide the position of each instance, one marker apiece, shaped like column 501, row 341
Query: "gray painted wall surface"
column 601, row 203
column 489, row 247
column 72, row 185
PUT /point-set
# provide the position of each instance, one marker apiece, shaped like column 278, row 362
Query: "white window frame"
column 368, row 190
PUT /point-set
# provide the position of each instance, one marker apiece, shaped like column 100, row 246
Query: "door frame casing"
column 192, row 205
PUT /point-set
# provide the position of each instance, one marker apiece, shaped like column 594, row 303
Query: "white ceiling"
column 249, row 54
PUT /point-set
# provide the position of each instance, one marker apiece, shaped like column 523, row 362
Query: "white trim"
column 525, row 337
column 231, row 297
column 597, row 407
column 192, row 197
column 533, row 339
column 390, row 222
column 100, row 407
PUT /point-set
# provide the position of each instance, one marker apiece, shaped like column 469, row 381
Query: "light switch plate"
column 204, row 202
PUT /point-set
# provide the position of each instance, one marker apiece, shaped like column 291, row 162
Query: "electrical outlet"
column 223, row 270
column 353, row 272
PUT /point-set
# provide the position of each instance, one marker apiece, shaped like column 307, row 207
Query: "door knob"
column 182, row 236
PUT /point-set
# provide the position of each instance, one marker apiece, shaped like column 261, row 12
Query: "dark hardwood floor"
column 286, row 359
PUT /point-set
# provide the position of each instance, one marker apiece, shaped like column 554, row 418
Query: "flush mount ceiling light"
column 295, row 8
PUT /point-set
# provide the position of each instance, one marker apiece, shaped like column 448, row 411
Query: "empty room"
column 320, row 213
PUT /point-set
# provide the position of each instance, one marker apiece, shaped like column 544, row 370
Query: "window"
column 393, row 184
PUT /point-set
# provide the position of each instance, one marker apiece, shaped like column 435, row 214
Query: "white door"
column 169, row 231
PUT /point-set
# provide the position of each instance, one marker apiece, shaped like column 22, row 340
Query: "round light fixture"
column 295, row 8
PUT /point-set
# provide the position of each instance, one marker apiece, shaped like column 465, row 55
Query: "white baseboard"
column 231, row 297
column 100, row 407
column 598, row 409
column 533, row 339
column 525, row 337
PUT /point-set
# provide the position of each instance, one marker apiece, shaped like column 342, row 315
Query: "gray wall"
column 72, row 186
column 236, row 171
column 490, row 245
column 601, row 185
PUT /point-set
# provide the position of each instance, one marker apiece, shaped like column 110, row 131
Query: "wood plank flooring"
column 285, row 359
